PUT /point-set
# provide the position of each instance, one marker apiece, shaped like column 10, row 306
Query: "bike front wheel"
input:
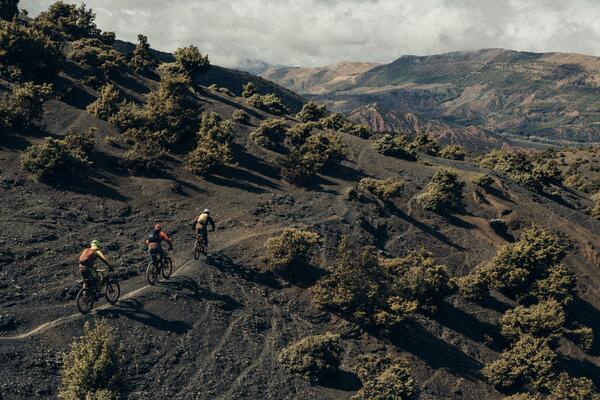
column 167, row 267
column 85, row 300
column 151, row 273
column 198, row 249
column 112, row 292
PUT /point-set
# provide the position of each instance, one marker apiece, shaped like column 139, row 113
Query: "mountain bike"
column 89, row 294
column 162, row 266
column 200, row 247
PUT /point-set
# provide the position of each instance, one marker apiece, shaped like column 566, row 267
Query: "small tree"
column 92, row 369
column 191, row 60
column 394, row 146
column 290, row 249
column 141, row 59
column 483, row 181
column 240, row 116
column 333, row 122
column 315, row 358
column 249, row 90
column 424, row 144
column 9, row 9
column 107, row 104
column 23, row 106
column 98, row 59
column 311, row 112
column 65, row 21
column 570, row 388
column 269, row 103
column 443, row 193
column 543, row 320
column 453, row 152
column 384, row 378
column 298, row 133
column 387, row 189
column 270, row 132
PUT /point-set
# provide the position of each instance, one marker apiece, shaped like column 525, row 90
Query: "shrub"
column 333, row 122
column 542, row 320
column 395, row 146
column 141, row 58
column 92, row 369
column 290, row 249
column 422, row 143
column 547, row 173
column 500, row 226
column 582, row 336
column 9, row 9
column 107, row 104
column 311, row 112
column 68, row 22
column 191, row 60
column 23, row 105
column 213, row 128
column 270, row 132
column 206, row 157
column 559, row 285
column 474, row 286
column 453, row 152
column 315, row 358
column 249, row 90
column 269, row 103
column 595, row 211
column 81, row 144
column 443, row 193
column 98, row 59
column 529, row 361
column 240, row 116
column 569, row 388
column 384, row 189
column 298, row 133
column 384, row 378
column 306, row 161
column 361, row 131
column 520, row 168
column 26, row 54
column 53, row 156
column 145, row 153
column 484, row 181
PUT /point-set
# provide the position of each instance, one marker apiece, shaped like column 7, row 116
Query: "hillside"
column 547, row 95
column 215, row 328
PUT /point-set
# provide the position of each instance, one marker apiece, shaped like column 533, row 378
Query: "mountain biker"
column 201, row 223
column 153, row 242
column 87, row 264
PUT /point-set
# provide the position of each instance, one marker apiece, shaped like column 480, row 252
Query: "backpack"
column 154, row 237
column 87, row 257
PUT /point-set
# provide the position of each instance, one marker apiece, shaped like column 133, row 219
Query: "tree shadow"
column 558, row 199
column 226, row 264
column 414, row 339
column 249, row 161
column 346, row 381
column 343, row 172
column 498, row 193
column 423, row 227
column 303, row 275
column 580, row 368
column 494, row 304
column 134, row 310
column 456, row 221
column 190, row 288
column 586, row 314
column 469, row 326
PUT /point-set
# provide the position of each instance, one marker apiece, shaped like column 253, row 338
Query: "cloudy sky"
column 320, row 32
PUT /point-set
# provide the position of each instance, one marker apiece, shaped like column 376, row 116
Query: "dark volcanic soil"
column 213, row 330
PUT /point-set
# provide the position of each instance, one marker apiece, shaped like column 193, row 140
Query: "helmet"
column 158, row 227
column 206, row 211
column 95, row 244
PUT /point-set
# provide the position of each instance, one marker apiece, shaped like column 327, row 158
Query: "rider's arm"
column 212, row 223
column 166, row 238
column 102, row 257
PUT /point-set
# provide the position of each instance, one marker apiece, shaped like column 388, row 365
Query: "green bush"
column 53, row 156
column 395, row 146
column 191, row 60
column 529, row 361
column 542, row 320
column 422, row 143
column 240, row 116
column 384, row 378
column 270, row 133
column 452, row 152
column 298, row 133
column 443, row 193
column 595, row 211
column 145, row 152
column 249, row 90
column 315, row 358
column 484, row 181
column 384, row 189
column 311, row 112
column 569, row 388
column 23, row 105
column 141, row 58
column 269, row 103
column 306, row 161
column 582, row 336
column 98, row 59
column 107, row 104
column 474, row 286
column 26, row 54
column 9, row 9
column 361, row 131
column 559, row 284
column 92, row 369
column 290, row 249
column 215, row 137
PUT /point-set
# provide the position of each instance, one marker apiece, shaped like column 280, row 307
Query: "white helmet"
column 206, row 211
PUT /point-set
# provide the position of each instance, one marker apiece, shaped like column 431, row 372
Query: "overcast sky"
column 320, row 32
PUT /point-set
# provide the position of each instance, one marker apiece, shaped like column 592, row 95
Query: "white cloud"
column 318, row 32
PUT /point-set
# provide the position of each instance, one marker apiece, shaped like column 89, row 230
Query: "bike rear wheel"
column 112, row 292
column 151, row 273
column 198, row 249
column 167, row 267
column 85, row 300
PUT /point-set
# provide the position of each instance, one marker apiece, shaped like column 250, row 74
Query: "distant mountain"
column 255, row 67
column 554, row 96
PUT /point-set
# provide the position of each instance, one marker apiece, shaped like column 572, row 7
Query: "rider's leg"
column 95, row 278
column 204, row 234
column 153, row 255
